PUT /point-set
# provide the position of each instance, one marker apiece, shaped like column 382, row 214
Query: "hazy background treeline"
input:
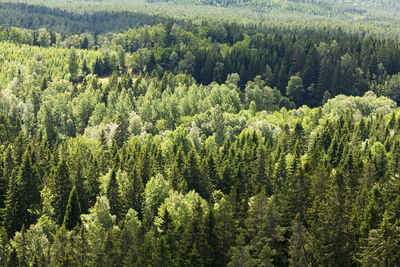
column 135, row 138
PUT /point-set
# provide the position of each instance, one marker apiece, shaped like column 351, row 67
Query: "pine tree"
column 60, row 250
column 11, row 206
column 324, row 79
column 144, row 165
column 296, row 197
column 373, row 211
column 105, row 152
column 111, row 249
column 80, row 246
column 73, row 210
column 9, row 164
column 210, row 170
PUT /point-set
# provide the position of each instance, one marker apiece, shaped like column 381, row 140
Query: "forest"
column 133, row 137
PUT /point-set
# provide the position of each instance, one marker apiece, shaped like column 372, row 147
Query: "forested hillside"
column 132, row 137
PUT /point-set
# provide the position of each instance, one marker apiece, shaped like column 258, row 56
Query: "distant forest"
column 135, row 138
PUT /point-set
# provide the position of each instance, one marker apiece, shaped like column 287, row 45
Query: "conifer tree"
column 13, row 259
column 211, row 238
column 73, row 210
column 264, row 230
column 176, row 175
column 22, row 197
column 121, row 133
column 4, row 246
column 61, row 188
column 193, row 243
column 311, row 68
column 129, row 233
column 114, row 196
column 80, row 246
column 144, row 165
column 383, row 244
column 73, row 65
column 297, row 248
column 225, row 230
column 167, row 244
column 81, row 185
column 92, row 177
column 194, row 179
column 135, row 193
column 241, row 255
column 331, row 231
column 260, row 176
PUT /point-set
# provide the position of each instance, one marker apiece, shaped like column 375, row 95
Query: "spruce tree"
column 81, row 185
column 92, row 177
column 225, row 230
column 135, row 193
column 176, row 175
column 211, row 238
column 23, row 197
column 61, row 188
column 114, row 196
column 73, row 210
column 4, row 246
column 10, row 217
column 297, row 248
column 193, row 242
column 264, row 230
column 241, row 254
column 121, row 133
column 73, row 65
column 3, row 183
column 194, row 179
column 383, row 244
column 167, row 241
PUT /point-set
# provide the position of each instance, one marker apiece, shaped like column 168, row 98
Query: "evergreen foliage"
column 202, row 140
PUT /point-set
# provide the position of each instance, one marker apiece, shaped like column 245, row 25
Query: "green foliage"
column 155, row 192
column 180, row 142
column 61, row 188
column 114, row 196
column 295, row 90
column 73, row 210
column 22, row 197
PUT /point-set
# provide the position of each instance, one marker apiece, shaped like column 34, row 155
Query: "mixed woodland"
column 133, row 138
